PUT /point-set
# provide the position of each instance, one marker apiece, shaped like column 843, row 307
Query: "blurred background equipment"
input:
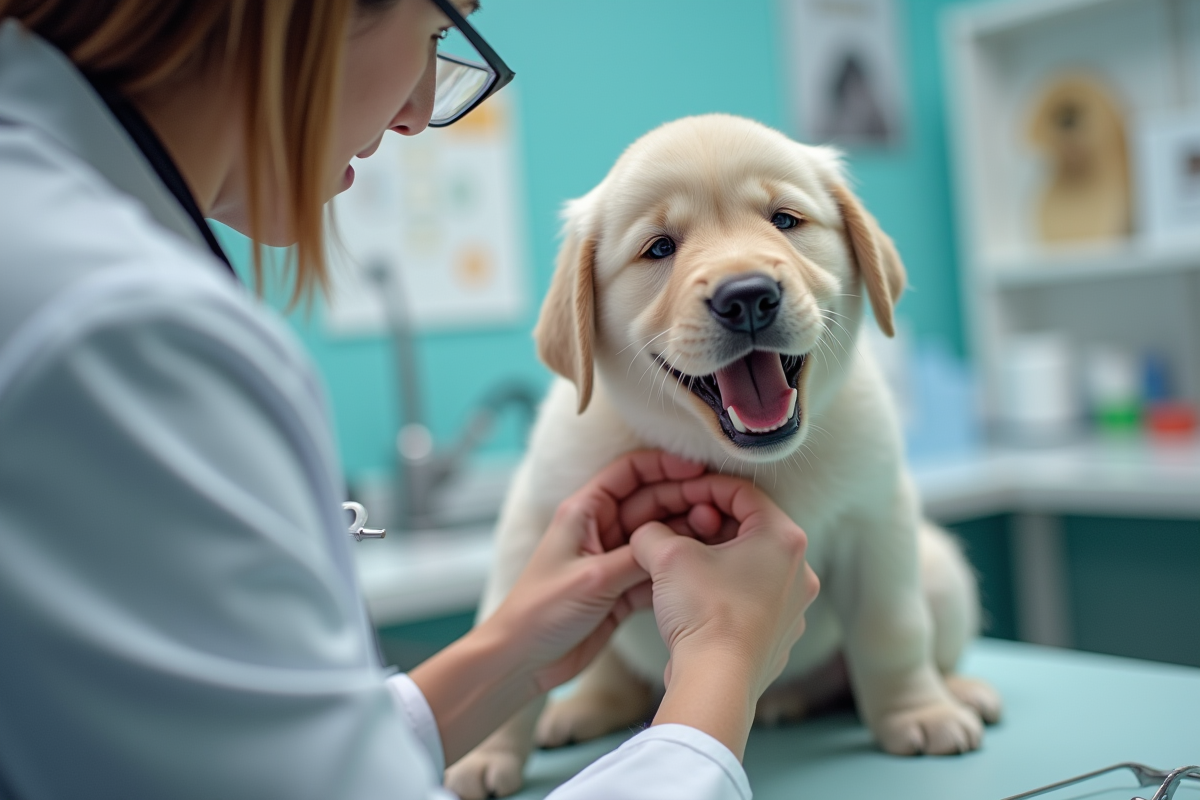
column 1079, row 128
column 1038, row 379
column 1114, row 389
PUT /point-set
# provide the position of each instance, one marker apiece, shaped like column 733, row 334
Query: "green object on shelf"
column 1119, row 418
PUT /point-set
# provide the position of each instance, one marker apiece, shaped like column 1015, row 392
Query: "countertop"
column 1066, row 713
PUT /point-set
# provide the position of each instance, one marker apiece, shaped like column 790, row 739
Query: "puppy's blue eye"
column 784, row 220
column 661, row 248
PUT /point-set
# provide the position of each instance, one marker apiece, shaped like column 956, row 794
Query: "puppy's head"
column 713, row 282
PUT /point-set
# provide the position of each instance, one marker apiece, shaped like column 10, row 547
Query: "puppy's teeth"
column 737, row 423
column 792, row 404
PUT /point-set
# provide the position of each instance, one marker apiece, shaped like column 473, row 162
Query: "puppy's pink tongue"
column 757, row 389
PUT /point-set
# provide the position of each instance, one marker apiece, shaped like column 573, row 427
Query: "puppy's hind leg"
column 496, row 767
column 953, row 598
column 609, row 697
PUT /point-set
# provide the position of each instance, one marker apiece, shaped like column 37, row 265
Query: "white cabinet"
column 1129, row 292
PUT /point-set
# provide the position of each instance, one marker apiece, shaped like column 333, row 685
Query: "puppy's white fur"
column 898, row 599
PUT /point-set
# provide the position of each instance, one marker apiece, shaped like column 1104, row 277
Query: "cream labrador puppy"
column 707, row 301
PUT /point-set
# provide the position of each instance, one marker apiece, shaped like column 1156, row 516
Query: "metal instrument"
column 358, row 527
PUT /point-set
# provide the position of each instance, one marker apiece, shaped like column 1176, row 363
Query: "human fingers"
column 734, row 497
column 633, row 470
column 705, row 524
column 710, row 525
column 665, row 502
column 703, row 530
column 611, row 574
column 657, row 501
column 654, row 545
column 640, row 596
column 599, row 500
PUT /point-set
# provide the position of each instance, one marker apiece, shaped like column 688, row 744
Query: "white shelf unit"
column 1130, row 293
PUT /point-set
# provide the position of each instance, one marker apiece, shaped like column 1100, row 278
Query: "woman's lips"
column 347, row 177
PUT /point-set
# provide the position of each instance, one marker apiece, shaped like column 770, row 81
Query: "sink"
column 470, row 498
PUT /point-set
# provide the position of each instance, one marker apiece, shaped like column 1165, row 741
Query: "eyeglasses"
column 468, row 70
column 1167, row 782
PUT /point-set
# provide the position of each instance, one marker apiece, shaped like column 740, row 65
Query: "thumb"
column 641, row 596
column 654, row 541
column 620, row 570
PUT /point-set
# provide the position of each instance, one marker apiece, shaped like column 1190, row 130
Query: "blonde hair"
column 289, row 53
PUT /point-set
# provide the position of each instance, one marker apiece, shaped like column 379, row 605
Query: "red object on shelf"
column 1172, row 419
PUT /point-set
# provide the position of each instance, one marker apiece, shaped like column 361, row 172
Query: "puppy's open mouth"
column 756, row 398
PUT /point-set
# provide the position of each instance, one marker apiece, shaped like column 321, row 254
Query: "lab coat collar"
column 42, row 89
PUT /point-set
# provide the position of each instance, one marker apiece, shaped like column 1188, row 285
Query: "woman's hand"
column 581, row 581
column 577, row 586
column 729, row 612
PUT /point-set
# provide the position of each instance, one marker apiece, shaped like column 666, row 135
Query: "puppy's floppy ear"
column 567, row 326
column 878, row 262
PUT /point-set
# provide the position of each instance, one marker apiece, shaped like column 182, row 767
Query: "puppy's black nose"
column 746, row 304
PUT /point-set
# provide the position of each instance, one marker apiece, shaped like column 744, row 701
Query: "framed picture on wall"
column 1168, row 167
column 432, row 228
column 846, row 82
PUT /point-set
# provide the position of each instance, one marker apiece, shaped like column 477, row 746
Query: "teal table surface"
column 1065, row 713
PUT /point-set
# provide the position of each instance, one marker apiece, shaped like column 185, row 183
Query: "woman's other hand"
column 729, row 612
column 583, row 578
column 581, row 581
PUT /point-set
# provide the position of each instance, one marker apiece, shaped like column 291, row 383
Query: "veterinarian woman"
column 177, row 606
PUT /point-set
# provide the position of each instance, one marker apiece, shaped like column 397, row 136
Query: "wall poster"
column 434, row 222
column 847, row 85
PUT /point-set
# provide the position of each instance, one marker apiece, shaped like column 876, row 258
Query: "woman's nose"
column 414, row 116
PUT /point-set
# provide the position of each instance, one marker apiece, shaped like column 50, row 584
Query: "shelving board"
column 1130, row 260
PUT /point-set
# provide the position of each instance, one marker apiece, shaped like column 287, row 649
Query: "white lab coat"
column 179, row 615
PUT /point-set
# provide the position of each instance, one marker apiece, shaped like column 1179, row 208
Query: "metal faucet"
column 422, row 469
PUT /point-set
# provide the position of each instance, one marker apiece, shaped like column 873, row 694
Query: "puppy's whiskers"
column 853, row 339
column 828, row 320
column 638, row 339
column 642, row 348
column 653, row 363
column 821, row 343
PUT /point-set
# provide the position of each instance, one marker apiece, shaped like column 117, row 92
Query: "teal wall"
column 591, row 78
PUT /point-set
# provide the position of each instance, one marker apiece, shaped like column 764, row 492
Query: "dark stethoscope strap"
column 160, row 161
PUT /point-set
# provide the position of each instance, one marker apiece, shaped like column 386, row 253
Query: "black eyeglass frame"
column 501, row 74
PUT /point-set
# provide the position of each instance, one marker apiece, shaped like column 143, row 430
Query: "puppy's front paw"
column 977, row 694
column 484, row 773
column 943, row 727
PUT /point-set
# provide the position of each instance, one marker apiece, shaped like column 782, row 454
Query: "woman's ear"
column 878, row 262
column 567, row 326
